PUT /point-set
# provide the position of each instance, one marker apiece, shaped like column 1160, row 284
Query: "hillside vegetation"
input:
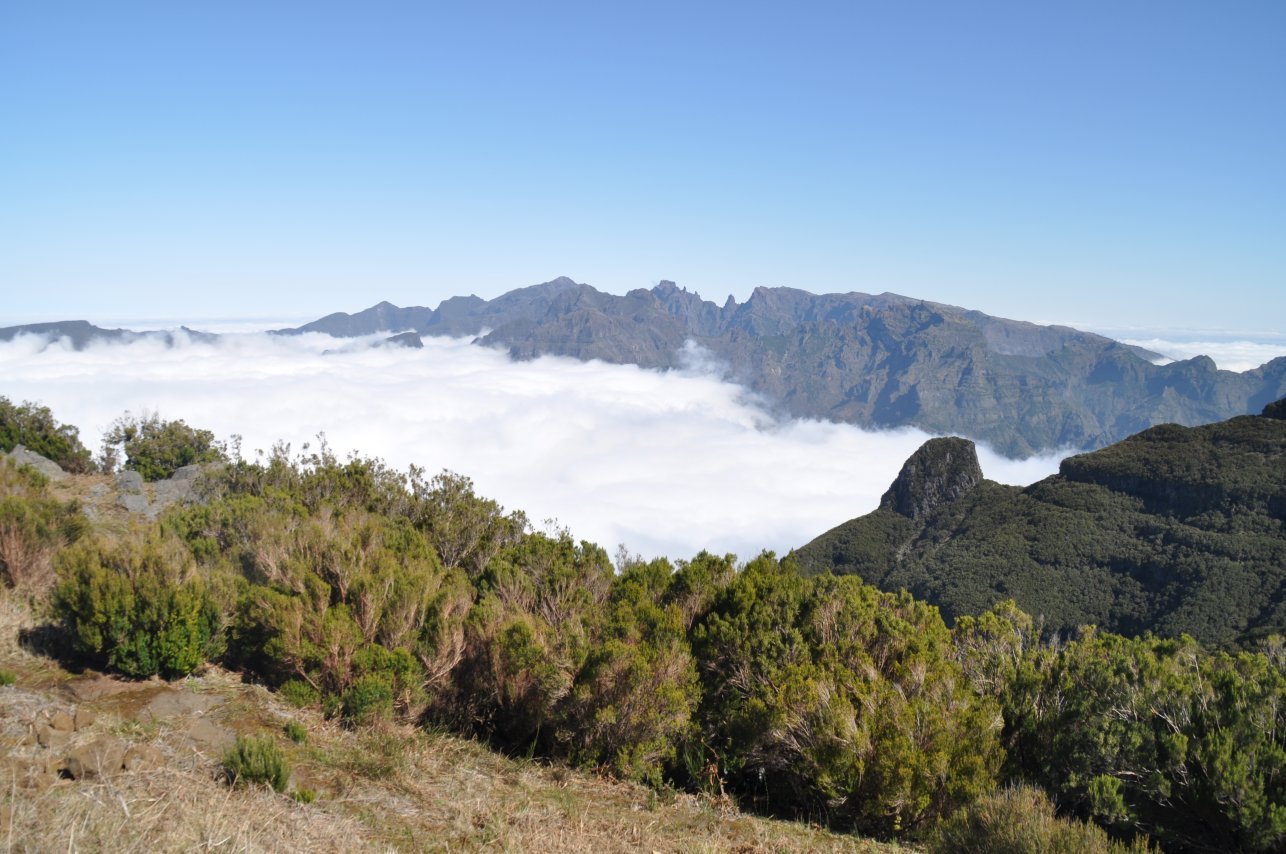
column 386, row 603
column 1175, row 530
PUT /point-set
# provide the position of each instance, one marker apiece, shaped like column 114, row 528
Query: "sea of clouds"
column 664, row 463
column 1231, row 350
column 1230, row 355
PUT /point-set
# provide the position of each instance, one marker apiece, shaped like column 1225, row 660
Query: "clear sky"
column 1108, row 163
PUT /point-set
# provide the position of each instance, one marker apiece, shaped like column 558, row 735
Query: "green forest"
column 379, row 596
column 1173, row 531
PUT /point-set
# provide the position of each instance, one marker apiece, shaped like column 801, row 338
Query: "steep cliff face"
column 1173, row 530
column 941, row 470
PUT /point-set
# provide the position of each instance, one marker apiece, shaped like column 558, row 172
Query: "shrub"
column 299, row 693
column 632, row 700
column 33, row 527
column 826, row 696
column 296, row 732
column 1159, row 735
column 7, row 677
column 256, row 760
column 1021, row 820
column 128, row 607
column 35, row 427
column 157, row 449
column 368, row 699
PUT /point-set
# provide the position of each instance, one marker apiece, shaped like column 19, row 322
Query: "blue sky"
column 1106, row 163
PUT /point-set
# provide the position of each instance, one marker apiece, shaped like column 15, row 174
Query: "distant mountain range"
column 875, row 361
column 1174, row 530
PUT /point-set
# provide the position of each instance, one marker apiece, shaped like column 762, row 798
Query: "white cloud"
column 666, row 463
column 1228, row 355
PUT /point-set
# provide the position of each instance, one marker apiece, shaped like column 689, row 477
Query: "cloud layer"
column 667, row 464
column 1228, row 355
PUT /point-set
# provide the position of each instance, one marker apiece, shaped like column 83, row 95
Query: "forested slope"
column 1174, row 530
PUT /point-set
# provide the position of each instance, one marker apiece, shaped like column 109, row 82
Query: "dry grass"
column 171, row 810
column 445, row 793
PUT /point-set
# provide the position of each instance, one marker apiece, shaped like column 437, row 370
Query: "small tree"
column 35, row 427
column 156, row 449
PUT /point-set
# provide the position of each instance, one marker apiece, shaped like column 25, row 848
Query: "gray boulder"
column 24, row 457
column 129, row 482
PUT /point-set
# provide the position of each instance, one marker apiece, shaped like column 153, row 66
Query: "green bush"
column 128, row 607
column 1021, row 820
column 7, row 677
column 1157, row 735
column 157, row 449
column 827, row 696
column 33, row 527
column 299, row 693
column 256, row 760
column 297, row 732
column 368, row 699
column 35, row 427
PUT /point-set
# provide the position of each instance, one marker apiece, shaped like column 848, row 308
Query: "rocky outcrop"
column 406, row 339
column 23, row 457
column 941, row 470
column 65, row 747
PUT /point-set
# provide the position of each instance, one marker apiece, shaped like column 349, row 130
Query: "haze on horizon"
column 1101, row 165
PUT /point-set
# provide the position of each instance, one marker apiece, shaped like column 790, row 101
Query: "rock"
column 172, row 491
column 940, row 471
column 406, row 339
column 143, row 757
column 96, row 686
column 173, row 704
column 129, row 482
column 50, row 469
column 62, row 722
column 95, row 760
column 209, row 737
column 134, row 503
column 53, row 739
column 84, row 719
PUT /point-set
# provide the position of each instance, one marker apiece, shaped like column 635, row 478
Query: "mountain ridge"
column 877, row 361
